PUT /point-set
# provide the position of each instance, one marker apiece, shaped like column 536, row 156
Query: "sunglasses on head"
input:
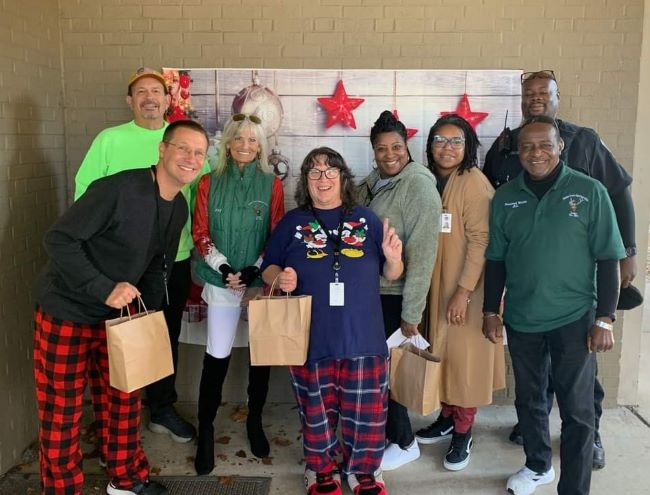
column 540, row 74
column 238, row 117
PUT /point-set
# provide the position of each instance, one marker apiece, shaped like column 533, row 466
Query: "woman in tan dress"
column 472, row 367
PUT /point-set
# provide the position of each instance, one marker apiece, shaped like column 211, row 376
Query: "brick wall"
column 593, row 45
column 32, row 193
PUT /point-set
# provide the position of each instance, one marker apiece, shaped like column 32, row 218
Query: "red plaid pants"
column 65, row 354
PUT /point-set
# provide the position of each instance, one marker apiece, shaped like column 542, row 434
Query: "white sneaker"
column 525, row 481
column 395, row 456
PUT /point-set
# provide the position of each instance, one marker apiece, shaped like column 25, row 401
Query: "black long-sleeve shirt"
column 110, row 234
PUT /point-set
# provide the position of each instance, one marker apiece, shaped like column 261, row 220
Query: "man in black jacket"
column 584, row 151
column 117, row 242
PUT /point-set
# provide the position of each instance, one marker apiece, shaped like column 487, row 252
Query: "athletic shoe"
column 599, row 453
column 515, row 435
column 395, row 456
column 525, row 481
column 458, row 455
column 170, row 422
column 436, row 432
column 146, row 488
column 367, row 484
column 327, row 481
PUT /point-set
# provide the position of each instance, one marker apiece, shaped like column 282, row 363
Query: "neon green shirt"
column 125, row 147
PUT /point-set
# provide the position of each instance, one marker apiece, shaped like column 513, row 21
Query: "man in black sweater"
column 117, row 242
column 584, row 151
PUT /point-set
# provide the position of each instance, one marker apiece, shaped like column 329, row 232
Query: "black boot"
column 212, row 378
column 258, row 388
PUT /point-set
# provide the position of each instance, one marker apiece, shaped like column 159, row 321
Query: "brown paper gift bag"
column 414, row 379
column 139, row 351
column 278, row 329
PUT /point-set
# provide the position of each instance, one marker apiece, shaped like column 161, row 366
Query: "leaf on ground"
column 155, row 471
column 222, row 457
column 267, row 461
column 224, row 440
column 239, row 413
column 240, row 453
column 281, row 441
column 226, row 480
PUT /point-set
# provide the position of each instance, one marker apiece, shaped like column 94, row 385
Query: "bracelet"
column 604, row 324
column 490, row 315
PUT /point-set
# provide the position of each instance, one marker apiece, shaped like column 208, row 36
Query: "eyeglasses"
column 238, row 117
column 540, row 74
column 188, row 151
column 330, row 173
column 456, row 142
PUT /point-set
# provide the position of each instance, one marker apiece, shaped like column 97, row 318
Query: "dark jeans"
column 599, row 395
column 573, row 370
column 161, row 395
column 398, row 424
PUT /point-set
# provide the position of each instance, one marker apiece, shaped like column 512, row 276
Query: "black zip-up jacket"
column 110, row 234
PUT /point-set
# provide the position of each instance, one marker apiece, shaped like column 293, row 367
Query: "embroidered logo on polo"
column 515, row 204
column 354, row 234
column 574, row 201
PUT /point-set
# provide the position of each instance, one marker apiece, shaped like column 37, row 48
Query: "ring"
column 457, row 317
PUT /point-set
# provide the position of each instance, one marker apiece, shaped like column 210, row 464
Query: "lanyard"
column 162, row 237
column 336, row 240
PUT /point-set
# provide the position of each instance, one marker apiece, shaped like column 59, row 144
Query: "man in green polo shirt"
column 135, row 145
column 554, row 245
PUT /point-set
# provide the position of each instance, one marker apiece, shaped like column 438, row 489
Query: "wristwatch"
column 604, row 324
column 630, row 251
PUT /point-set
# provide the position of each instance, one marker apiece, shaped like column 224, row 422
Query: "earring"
column 259, row 155
column 228, row 153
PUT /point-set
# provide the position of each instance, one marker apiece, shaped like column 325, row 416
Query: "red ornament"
column 185, row 94
column 463, row 109
column 177, row 114
column 410, row 132
column 184, row 81
column 339, row 107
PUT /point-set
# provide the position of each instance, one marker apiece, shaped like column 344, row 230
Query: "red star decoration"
column 410, row 132
column 463, row 109
column 339, row 107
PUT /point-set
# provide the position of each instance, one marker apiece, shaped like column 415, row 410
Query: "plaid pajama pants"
column 354, row 391
column 65, row 355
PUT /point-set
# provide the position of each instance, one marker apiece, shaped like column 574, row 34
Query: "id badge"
column 337, row 294
column 445, row 223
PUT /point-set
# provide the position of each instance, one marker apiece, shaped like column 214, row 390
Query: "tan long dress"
column 472, row 367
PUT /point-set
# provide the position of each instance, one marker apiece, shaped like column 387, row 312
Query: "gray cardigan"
column 412, row 203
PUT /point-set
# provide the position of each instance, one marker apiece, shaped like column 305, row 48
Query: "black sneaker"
column 436, row 432
column 458, row 455
column 170, row 422
column 147, row 488
column 515, row 435
column 599, row 453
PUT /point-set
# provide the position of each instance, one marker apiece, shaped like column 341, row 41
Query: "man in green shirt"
column 554, row 245
column 135, row 145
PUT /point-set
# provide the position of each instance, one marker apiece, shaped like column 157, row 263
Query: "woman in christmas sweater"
column 334, row 250
column 237, row 207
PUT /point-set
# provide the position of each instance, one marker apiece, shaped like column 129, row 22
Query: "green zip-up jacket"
column 412, row 203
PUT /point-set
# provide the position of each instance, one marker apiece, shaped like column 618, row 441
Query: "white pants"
column 222, row 329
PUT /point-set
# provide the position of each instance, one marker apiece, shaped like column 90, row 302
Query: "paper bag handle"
column 273, row 286
column 141, row 306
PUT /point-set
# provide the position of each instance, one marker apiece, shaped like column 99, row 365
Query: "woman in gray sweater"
column 404, row 191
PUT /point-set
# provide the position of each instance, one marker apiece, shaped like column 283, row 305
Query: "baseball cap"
column 629, row 298
column 146, row 72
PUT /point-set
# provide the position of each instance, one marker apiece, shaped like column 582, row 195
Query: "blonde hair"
column 230, row 130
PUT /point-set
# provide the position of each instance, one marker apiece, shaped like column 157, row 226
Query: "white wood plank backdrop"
column 418, row 95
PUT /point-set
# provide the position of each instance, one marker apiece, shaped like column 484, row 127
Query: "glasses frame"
column 238, row 117
column 323, row 172
column 538, row 74
column 441, row 142
column 187, row 151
